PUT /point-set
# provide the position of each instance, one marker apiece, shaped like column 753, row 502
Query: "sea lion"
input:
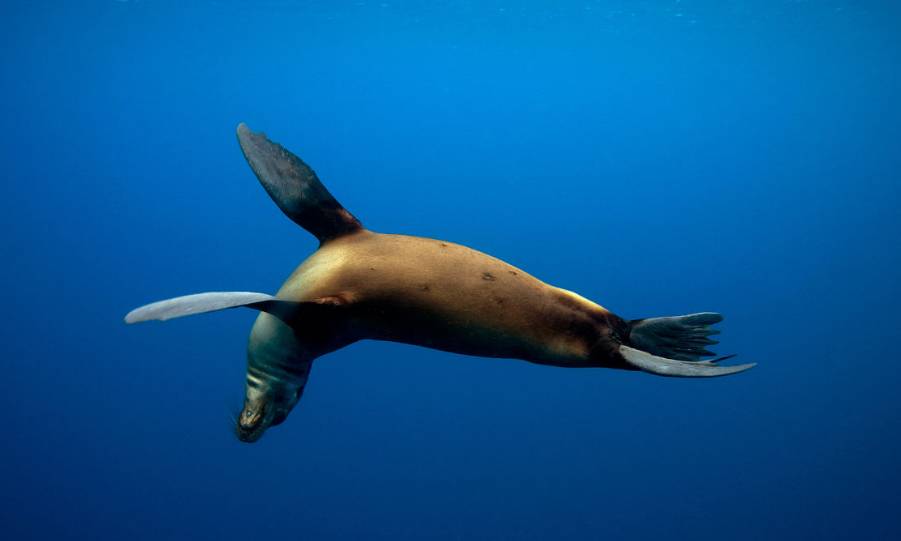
column 360, row 284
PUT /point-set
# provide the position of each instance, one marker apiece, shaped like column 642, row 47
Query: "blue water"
column 657, row 157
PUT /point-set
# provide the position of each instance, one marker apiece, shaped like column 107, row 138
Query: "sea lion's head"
column 266, row 405
column 277, row 370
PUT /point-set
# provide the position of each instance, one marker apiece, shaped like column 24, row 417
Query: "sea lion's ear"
column 682, row 369
column 200, row 303
column 294, row 187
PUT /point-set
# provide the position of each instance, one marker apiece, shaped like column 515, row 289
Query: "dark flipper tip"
column 294, row 187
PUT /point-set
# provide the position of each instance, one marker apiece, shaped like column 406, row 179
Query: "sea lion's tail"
column 675, row 346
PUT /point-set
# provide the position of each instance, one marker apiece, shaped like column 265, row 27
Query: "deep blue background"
column 657, row 157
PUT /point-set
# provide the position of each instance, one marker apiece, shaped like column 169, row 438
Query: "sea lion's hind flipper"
column 294, row 187
column 200, row 303
column 684, row 338
column 684, row 369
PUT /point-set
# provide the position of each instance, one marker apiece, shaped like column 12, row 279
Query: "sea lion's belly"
column 447, row 296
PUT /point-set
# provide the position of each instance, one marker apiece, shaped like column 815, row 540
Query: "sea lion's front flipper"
column 200, row 303
column 294, row 187
column 684, row 369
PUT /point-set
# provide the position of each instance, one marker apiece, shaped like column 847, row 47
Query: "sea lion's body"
column 446, row 296
column 365, row 285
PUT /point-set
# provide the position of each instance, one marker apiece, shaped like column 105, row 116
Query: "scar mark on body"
column 488, row 276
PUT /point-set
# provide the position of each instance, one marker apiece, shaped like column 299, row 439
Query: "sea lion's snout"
column 261, row 413
column 253, row 422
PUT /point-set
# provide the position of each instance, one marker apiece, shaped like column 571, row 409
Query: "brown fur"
column 449, row 297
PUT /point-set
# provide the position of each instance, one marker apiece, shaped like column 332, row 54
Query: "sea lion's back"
column 441, row 295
